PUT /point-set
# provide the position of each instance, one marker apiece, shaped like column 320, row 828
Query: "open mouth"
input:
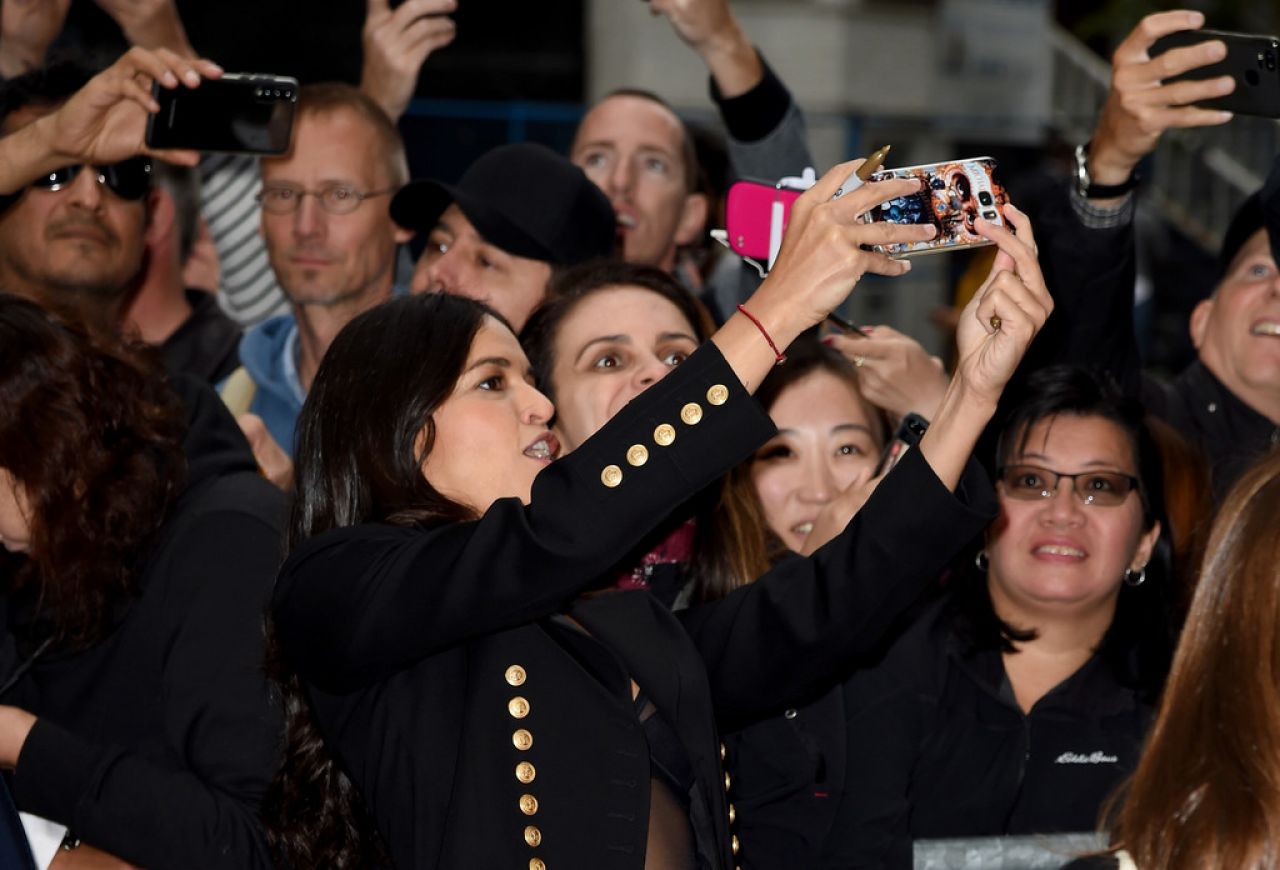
column 1266, row 327
column 803, row 529
column 545, row 449
column 626, row 221
column 1059, row 550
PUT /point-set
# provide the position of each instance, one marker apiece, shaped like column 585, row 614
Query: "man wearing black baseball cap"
column 518, row 212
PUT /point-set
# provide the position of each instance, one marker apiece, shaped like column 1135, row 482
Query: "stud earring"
column 981, row 562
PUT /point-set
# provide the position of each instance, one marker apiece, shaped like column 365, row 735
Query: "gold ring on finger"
column 859, row 361
column 995, row 321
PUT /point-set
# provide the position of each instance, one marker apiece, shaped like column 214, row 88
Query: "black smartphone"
column 1253, row 60
column 239, row 112
column 910, row 431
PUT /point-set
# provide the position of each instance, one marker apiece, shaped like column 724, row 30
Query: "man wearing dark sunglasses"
column 74, row 238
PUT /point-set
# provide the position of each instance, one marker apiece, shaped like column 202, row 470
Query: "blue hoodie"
column 269, row 351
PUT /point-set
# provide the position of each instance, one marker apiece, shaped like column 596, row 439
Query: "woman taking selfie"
column 488, row 711
column 1017, row 702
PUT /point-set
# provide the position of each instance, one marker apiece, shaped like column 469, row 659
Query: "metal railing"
column 1196, row 178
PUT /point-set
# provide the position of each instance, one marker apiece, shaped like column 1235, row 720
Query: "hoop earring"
column 1135, row 578
column 981, row 562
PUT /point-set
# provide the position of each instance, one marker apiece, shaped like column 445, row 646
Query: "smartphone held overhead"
column 1253, row 60
column 239, row 113
column 952, row 197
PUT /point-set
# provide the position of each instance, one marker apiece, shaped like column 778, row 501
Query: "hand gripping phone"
column 952, row 197
column 239, row 112
column 1253, row 60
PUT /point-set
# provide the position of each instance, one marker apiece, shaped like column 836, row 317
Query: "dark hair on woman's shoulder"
column 365, row 430
column 93, row 435
column 1139, row 642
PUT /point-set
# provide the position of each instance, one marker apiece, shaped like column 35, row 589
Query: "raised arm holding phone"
column 105, row 122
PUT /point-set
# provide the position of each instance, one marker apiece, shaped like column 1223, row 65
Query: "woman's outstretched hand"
column 821, row 260
column 1006, row 313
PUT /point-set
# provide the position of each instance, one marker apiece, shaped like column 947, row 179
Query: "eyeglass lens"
column 1091, row 487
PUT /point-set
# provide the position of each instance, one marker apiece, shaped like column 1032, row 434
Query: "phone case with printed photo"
column 953, row 196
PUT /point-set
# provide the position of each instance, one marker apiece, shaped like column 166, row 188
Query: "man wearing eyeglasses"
column 73, row 240
column 332, row 244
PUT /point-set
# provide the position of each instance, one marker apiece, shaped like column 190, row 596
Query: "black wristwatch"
column 1090, row 190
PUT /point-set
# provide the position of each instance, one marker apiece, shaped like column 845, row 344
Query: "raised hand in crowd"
column 273, row 462
column 1003, row 316
column 1139, row 107
column 710, row 28
column 150, row 24
column 105, row 121
column 397, row 42
column 820, row 262
column 27, row 29
column 894, row 371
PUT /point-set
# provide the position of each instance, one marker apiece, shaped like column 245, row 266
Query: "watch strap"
column 1092, row 190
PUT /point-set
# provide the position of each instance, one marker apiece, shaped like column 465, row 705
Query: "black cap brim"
column 419, row 204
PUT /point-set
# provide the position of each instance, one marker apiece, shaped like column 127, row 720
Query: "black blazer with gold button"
column 485, row 731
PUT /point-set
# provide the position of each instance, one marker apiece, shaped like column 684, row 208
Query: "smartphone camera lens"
column 984, row 197
column 990, row 215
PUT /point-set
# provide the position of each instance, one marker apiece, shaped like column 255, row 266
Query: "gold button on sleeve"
column 664, row 435
column 733, row 842
column 525, row 772
column 718, row 394
column 637, row 455
column 515, row 676
column 518, row 707
column 722, row 752
column 528, row 804
column 522, row 740
column 726, row 781
column 533, row 836
column 537, row 864
column 611, row 476
column 691, row 414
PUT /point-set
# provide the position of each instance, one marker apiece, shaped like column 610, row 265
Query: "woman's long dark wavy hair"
column 1139, row 643
column 730, row 541
column 363, row 435
column 93, row 436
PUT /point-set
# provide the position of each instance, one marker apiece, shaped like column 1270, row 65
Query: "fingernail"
column 867, row 330
column 1013, row 208
column 829, row 340
column 191, row 77
column 216, row 66
column 1196, row 19
column 1224, row 117
column 906, row 265
column 169, row 79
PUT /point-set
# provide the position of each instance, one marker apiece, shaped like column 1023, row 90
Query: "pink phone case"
column 748, row 211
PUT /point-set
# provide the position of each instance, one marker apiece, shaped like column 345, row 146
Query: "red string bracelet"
column 779, row 355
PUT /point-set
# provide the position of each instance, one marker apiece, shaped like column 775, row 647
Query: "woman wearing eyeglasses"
column 1017, row 702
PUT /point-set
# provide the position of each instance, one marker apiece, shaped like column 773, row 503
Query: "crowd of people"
column 571, row 546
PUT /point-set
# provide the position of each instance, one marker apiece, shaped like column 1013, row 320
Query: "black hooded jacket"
column 157, row 743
